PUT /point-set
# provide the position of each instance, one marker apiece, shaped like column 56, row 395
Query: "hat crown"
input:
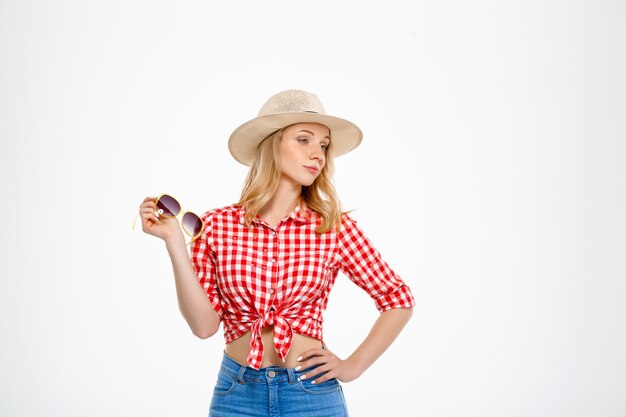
column 290, row 101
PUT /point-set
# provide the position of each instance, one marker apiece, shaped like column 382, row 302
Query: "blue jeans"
column 273, row 392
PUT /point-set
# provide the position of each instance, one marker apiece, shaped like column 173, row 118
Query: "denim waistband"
column 271, row 374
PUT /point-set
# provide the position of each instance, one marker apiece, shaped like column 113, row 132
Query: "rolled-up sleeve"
column 363, row 265
column 203, row 261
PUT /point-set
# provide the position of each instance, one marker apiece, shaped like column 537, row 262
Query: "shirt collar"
column 299, row 214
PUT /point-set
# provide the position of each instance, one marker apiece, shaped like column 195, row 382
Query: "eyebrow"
column 312, row 134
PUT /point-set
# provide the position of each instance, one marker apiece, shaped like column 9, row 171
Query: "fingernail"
column 299, row 358
column 302, row 377
column 298, row 367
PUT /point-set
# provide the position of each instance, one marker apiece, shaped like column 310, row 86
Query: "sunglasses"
column 168, row 206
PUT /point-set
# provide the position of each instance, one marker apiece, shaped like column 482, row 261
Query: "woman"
column 264, row 267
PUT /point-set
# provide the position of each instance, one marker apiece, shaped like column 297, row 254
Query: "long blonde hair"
column 264, row 175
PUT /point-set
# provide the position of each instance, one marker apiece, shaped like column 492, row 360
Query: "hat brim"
column 245, row 140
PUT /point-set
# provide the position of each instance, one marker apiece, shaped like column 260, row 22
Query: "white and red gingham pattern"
column 259, row 276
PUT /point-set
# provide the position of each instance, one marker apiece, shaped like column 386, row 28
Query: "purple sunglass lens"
column 169, row 205
column 192, row 224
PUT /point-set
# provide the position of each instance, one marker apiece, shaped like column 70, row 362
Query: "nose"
column 319, row 155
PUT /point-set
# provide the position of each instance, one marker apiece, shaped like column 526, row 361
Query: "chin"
column 308, row 182
column 304, row 181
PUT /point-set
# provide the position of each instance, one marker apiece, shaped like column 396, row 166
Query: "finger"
column 319, row 374
column 311, row 353
column 153, row 220
column 148, row 204
column 147, row 201
column 314, row 357
column 317, row 362
column 149, row 215
column 147, row 209
column 324, row 378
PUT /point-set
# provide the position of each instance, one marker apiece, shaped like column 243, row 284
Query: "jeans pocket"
column 225, row 384
column 326, row 387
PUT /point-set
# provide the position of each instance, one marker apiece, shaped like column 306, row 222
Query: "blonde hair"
column 264, row 175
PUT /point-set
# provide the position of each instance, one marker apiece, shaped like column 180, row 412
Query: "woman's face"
column 303, row 152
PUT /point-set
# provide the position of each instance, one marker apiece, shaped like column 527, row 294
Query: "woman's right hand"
column 166, row 228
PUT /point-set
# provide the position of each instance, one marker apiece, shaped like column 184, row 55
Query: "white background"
column 491, row 177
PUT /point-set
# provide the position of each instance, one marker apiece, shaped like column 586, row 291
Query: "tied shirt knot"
column 282, row 337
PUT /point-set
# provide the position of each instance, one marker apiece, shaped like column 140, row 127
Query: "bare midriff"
column 239, row 348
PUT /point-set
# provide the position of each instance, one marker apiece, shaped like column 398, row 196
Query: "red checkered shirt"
column 261, row 276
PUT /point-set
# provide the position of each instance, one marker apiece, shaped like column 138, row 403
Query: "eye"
column 324, row 147
column 303, row 140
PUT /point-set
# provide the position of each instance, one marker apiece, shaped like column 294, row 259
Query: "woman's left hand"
column 328, row 362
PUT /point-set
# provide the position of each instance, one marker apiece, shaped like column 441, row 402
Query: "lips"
column 312, row 169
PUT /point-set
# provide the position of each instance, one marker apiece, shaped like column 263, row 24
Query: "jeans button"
column 271, row 374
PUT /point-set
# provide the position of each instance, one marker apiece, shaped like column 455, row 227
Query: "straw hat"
column 287, row 108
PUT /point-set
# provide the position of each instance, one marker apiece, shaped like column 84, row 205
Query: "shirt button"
column 273, row 234
column 271, row 374
column 273, row 260
column 271, row 290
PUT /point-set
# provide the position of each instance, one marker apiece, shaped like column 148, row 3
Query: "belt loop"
column 242, row 369
column 291, row 375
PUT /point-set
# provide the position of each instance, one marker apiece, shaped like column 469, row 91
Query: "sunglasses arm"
column 135, row 221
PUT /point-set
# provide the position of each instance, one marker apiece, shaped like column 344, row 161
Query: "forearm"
column 385, row 330
column 192, row 300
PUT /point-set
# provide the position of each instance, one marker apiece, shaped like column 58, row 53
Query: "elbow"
column 402, row 314
column 406, row 313
column 201, row 334
column 204, row 333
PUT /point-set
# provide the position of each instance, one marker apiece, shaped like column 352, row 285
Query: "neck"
column 284, row 200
